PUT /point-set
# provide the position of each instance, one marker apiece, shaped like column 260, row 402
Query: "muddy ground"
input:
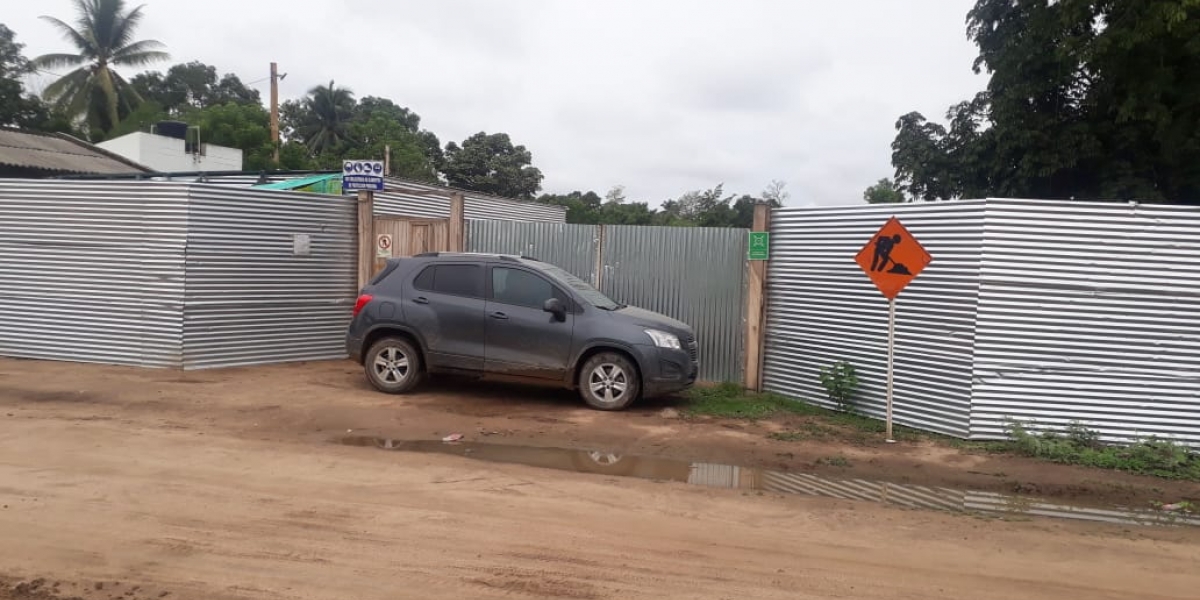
column 232, row 484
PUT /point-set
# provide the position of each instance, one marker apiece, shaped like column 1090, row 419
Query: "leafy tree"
column 378, row 124
column 247, row 127
column 883, row 192
column 103, row 39
column 1085, row 99
column 194, row 85
column 582, row 207
column 321, row 120
column 492, row 164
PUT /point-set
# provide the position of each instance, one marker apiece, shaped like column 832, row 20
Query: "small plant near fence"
column 1079, row 445
column 840, row 382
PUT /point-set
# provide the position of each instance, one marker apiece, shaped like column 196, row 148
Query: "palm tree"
column 326, row 113
column 103, row 35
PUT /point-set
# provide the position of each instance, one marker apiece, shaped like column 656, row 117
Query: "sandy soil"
column 126, row 483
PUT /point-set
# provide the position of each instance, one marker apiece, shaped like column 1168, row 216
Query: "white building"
column 170, row 154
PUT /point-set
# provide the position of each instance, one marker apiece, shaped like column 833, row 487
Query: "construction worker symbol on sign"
column 893, row 258
column 883, row 255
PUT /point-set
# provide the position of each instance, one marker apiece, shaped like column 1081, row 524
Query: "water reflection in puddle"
column 808, row 484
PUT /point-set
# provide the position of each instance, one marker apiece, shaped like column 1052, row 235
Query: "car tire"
column 609, row 381
column 393, row 366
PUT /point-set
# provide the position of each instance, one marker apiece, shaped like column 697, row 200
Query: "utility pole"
column 275, row 110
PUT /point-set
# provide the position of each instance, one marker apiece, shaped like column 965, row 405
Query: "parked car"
column 514, row 319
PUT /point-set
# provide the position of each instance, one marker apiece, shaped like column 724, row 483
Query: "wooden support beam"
column 458, row 223
column 756, row 306
column 366, row 237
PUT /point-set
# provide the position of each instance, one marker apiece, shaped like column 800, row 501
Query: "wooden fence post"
column 366, row 237
column 756, row 302
column 458, row 224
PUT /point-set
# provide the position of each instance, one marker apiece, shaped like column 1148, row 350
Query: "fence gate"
column 398, row 236
column 696, row 275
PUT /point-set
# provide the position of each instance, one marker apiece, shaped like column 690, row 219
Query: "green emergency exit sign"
column 760, row 245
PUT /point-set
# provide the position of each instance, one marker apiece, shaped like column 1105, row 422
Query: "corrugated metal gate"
column 696, row 275
column 271, row 276
column 821, row 308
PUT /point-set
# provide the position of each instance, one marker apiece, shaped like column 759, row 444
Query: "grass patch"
column 1078, row 445
column 730, row 401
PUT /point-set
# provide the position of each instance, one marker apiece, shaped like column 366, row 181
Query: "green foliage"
column 321, row 121
column 840, row 382
column 192, row 85
column 492, row 164
column 1078, row 445
column 883, row 192
column 834, row 461
column 17, row 108
column 699, row 208
column 1086, row 99
column 103, row 40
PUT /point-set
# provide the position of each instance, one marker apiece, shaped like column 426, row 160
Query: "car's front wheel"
column 609, row 381
column 393, row 366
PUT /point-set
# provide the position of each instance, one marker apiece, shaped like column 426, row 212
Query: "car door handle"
column 421, row 300
column 498, row 315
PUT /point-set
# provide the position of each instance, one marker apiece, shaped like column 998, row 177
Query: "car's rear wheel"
column 393, row 365
column 609, row 381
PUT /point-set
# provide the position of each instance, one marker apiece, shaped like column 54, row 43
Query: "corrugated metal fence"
column 821, row 308
column 1050, row 312
column 92, row 271
column 1089, row 312
column 696, row 275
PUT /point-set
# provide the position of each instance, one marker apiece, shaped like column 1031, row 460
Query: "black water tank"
column 175, row 129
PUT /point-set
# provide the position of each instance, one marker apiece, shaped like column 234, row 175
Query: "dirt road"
column 228, row 485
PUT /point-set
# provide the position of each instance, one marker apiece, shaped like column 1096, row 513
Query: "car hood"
column 648, row 318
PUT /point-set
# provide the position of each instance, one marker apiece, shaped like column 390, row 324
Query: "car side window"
column 452, row 280
column 522, row 288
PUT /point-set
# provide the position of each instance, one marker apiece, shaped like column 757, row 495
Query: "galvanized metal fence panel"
column 1089, row 312
column 696, row 275
column 251, row 298
column 572, row 247
column 821, row 308
column 92, row 271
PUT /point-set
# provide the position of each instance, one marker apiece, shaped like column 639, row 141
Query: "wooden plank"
column 456, row 227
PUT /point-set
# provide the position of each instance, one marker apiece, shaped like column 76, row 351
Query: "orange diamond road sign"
column 893, row 258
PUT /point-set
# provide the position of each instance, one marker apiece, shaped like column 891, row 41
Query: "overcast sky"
column 661, row 96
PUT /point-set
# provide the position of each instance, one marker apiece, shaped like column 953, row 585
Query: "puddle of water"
column 807, row 484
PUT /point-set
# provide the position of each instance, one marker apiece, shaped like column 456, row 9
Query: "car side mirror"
column 555, row 307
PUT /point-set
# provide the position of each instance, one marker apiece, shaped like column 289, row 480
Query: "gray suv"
column 514, row 319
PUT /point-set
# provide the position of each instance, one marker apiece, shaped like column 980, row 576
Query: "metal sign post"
column 892, row 259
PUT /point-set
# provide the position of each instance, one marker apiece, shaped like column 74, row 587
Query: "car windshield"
column 590, row 294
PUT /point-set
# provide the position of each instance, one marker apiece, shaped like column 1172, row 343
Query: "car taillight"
column 362, row 301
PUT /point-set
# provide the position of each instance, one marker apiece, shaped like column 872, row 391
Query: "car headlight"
column 663, row 339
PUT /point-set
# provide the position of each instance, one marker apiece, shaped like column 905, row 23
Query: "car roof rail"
column 428, row 255
column 529, row 258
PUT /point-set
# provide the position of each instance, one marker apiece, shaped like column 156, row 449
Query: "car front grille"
column 689, row 344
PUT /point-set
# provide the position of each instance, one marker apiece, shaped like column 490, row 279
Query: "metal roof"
column 59, row 153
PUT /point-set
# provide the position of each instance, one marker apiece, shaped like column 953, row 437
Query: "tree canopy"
column 883, row 192
column 697, row 208
column 1086, row 99
column 492, row 164
column 192, row 85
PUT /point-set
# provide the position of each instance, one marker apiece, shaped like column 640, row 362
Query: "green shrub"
column 840, row 382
